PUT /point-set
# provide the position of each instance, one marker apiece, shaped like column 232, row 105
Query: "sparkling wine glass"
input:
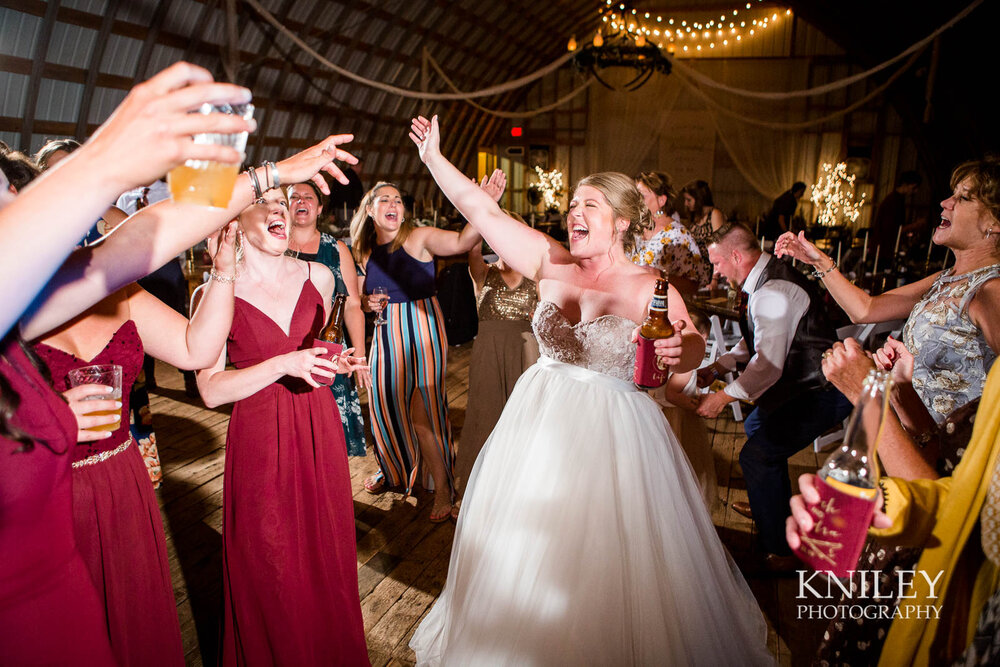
column 383, row 298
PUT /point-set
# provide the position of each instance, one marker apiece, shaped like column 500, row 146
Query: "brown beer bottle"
column 334, row 331
column 650, row 371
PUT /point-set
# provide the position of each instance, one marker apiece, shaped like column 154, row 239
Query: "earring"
column 989, row 232
column 659, row 213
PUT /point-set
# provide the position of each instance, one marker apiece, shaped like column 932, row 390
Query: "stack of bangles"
column 272, row 176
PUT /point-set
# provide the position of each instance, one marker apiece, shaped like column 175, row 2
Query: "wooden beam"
column 94, row 69
column 35, row 78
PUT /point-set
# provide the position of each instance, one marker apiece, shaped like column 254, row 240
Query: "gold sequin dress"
column 504, row 347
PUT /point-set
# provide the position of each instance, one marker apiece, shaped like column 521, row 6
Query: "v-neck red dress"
column 290, row 571
column 117, row 521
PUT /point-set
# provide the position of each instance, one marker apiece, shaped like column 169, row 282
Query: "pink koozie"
column 333, row 349
column 835, row 542
column 650, row 372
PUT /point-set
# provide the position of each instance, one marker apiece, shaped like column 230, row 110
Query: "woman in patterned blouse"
column 952, row 328
column 668, row 246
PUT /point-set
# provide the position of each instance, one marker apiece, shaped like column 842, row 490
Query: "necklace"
column 298, row 250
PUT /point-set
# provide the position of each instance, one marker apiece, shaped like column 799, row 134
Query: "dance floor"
column 402, row 557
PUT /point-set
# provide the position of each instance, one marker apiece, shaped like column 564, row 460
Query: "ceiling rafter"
column 35, row 78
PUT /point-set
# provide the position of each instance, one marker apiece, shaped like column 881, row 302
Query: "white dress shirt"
column 775, row 308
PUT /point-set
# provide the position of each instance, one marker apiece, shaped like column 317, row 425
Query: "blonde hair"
column 621, row 194
column 363, row 226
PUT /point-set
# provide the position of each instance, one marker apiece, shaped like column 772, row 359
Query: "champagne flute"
column 383, row 298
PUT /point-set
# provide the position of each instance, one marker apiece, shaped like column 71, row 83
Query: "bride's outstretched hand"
column 797, row 247
column 427, row 136
column 305, row 166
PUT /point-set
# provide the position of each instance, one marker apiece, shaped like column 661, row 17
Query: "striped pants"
column 409, row 354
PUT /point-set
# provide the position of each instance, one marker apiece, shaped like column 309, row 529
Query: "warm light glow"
column 834, row 196
column 598, row 40
column 571, row 46
column 550, row 184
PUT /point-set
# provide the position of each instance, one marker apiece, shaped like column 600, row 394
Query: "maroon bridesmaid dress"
column 49, row 611
column 290, row 572
column 117, row 521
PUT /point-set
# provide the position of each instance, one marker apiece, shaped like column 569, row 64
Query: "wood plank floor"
column 402, row 557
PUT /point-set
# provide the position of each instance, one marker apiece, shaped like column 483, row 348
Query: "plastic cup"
column 332, row 349
column 210, row 183
column 109, row 375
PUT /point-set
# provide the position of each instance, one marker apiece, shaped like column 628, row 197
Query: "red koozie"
column 332, row 349
column 650, row 371
column 842, row 517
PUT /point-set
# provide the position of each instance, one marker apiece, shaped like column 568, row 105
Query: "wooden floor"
column 402, row 557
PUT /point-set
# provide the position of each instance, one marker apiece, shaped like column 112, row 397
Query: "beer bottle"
column 650, row 371
column 848, row 486
column 332, row 335
column 334, row 331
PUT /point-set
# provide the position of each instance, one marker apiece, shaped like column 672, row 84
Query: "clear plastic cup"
column 109, row 375
column 210, row 183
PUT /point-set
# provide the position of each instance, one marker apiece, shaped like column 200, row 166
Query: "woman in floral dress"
column 668, row 246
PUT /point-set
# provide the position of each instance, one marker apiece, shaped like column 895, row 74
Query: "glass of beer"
column 210, row 183
column 109, row 375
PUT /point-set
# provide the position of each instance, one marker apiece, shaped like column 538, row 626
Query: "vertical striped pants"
column 409, row 354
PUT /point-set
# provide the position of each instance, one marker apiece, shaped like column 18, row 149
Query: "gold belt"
column 103, row 456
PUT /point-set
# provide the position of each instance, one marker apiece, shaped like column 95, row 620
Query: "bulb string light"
column 834, row 195
column 730, row 28
column 550, row 184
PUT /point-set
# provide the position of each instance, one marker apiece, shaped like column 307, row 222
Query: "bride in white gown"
column 583, row 537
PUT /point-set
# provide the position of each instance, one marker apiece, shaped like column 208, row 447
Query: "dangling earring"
column 659, row 213
column 989, row 232
column 239, row 246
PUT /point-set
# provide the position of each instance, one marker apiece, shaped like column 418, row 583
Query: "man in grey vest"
column 785, row 332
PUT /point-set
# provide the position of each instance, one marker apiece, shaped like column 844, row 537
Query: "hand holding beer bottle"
column 332, row 336
column 651, row 370
column 844, row 495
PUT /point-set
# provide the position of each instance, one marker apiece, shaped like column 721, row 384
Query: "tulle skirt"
column 584, row 539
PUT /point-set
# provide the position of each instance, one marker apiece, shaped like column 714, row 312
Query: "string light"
column 623, row 17
column 835, row 195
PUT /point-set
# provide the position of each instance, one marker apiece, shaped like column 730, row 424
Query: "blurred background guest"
column 779, row 218
column 306, row 242
column 505, row 346
column 668, row 246
column 701, row 217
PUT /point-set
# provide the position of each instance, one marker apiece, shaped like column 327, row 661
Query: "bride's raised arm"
column 524, row 249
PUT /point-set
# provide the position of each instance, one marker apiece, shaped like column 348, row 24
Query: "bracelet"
column 223, row 278
column 254, row 183
column 272, row 170
column 822, row 274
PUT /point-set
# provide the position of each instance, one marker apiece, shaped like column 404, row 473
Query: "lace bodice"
column 603, row 344
column 951, row 355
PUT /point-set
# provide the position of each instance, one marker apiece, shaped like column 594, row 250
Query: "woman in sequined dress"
column 503, row 349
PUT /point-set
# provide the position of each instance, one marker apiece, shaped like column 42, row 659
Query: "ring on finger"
column 826, row 355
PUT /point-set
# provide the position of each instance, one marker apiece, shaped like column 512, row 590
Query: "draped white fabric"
column 624, row 127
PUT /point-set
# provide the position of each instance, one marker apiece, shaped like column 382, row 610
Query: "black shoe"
column 781, row 564
column 743, row 508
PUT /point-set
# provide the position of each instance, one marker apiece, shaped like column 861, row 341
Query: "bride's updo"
column 621, row 194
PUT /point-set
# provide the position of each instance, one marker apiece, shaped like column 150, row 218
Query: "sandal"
column 375, row 483
column 441, row 516
column 454, row 512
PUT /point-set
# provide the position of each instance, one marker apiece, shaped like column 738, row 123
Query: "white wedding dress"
column 583, row 537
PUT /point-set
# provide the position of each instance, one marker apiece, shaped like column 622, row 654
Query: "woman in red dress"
column 290, row 574
column 50, row 612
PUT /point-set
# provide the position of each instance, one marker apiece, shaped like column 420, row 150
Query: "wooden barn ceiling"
column 65, row 64
column 89, row 52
